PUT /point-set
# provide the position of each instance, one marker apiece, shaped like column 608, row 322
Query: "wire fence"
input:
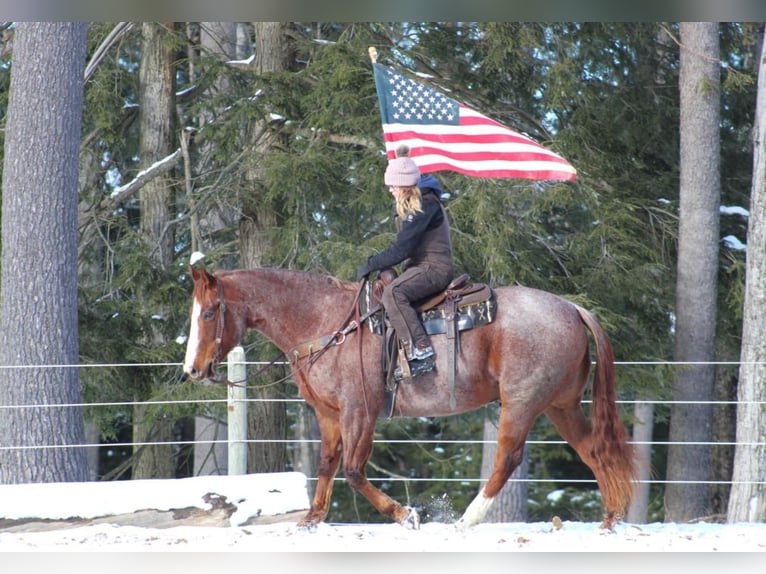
column 298, row 440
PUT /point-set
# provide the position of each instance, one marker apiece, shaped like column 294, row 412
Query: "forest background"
column 260, row 144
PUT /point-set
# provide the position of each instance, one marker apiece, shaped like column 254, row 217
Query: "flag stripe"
column 535, row 170
column 472, row 159
column 469, row 135
column 455, row 144
column 519, row 171
column 443, row 134
column 489, row 156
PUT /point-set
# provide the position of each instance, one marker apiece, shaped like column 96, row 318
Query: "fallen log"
column 161, row 503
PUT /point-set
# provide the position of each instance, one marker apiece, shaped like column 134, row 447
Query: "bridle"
column 335, row 339
column 216, row 361
column 219, row 326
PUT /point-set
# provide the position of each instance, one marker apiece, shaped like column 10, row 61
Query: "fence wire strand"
column 293, row 441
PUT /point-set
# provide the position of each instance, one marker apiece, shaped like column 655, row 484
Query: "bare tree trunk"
column 696, row 288
column 724, row 434
column 306, row 454
column 747, row 500
column 156, row 138
column 216, row 39
column 268, row 419
column 642, row 436
column 511, row 503
column 38, row 308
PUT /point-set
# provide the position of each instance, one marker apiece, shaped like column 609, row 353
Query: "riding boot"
column 410, row 365
column 421, row 350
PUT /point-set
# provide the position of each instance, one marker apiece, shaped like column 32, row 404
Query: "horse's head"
column 209, row 340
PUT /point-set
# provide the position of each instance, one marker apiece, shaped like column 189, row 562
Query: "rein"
column 326, row 342
column 314, row 349
column 219, row 325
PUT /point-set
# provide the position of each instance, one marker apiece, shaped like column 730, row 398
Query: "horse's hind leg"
column 574, row 428
column 329, row 460
column 511, row 433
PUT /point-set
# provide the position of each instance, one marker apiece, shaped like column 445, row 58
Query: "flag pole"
column 373, row 54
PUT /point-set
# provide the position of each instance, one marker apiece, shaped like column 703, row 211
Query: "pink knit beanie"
column 402, row 171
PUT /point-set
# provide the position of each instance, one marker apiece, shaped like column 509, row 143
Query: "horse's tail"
column 610, row 443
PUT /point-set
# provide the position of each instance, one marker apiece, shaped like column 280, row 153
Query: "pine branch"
column 120, row 29
column 142, row 178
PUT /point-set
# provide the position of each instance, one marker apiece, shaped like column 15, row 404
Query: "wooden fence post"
column 237, row 411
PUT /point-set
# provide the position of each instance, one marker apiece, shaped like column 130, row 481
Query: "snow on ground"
column 432, row 537
column 283, row 493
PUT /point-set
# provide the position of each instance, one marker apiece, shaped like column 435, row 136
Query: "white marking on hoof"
column 412, row 521
column 475, row 512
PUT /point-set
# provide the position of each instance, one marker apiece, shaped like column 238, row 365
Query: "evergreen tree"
column 696, row 289
column 747, row 502
column 38, row 307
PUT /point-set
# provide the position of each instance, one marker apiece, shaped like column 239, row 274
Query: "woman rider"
column 424, row 247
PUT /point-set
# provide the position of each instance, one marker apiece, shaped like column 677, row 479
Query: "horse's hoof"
column 462, row 525
column 610, row 520
column 306, row 526
column 412, row 520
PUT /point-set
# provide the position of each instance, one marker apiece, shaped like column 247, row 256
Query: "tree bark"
column 697, row 268
column 156, row 138
column 642, row 436
column 747, row 499
column 306, row 454
column 156, row 141
column 724, row 435
column 511, row 503
column 268, row 419
column 38, row 309
column 217, row 39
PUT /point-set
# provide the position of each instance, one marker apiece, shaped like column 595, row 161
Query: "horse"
column 534, row 359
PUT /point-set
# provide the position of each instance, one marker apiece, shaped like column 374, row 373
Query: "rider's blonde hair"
column 403, row 174
column 409, row 201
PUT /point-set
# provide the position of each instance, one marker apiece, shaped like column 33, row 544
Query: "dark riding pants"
column 416, row 283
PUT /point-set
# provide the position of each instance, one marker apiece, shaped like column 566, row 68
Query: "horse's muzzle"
column 190, row 372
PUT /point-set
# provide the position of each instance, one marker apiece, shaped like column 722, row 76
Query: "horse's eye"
column 208, row 315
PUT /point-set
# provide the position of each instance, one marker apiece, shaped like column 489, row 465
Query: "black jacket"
column 422, row 237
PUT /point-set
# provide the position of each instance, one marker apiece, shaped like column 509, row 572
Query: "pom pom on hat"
column 402, row 171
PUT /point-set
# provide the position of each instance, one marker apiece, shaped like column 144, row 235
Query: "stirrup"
column 416, row 368
column 420, row 354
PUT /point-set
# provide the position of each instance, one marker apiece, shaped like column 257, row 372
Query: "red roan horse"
column 534, row 359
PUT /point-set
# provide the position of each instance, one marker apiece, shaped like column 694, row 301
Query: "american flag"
column 444, row 134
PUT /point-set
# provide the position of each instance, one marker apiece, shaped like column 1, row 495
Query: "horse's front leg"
column 329, row 460
column 358, row 432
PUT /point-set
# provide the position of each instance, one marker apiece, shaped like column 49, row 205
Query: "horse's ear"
column 202, row 274
column 209, row 278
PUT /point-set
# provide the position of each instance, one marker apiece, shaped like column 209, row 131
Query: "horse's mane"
column 314, row 278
